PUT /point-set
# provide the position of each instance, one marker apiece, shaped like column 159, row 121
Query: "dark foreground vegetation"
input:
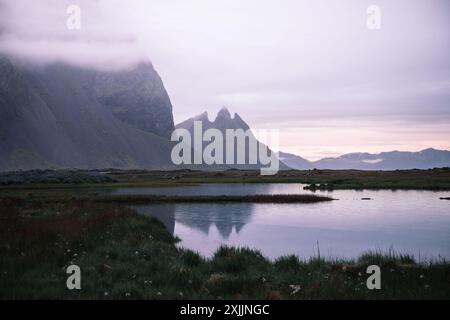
column 54, row 177
column 123, row 255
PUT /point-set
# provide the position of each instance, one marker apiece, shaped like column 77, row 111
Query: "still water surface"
column 415, row 222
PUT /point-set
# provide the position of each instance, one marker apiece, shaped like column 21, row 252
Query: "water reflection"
column 213, row 189
column 164, row 213
column 414, row 222
column 201, row 217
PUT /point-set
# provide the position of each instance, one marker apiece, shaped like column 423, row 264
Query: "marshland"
column 163, row 235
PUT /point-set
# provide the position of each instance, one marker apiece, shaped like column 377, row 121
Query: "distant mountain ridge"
column 425, row 159
column 393, row 160
column 293, row 161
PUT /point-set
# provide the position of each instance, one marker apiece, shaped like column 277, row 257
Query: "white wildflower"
column 295, row 288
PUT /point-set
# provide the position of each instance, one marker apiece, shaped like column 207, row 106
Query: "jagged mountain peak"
column 223, row 114
column 202, row 117
column 223, row 120
column 237, row 117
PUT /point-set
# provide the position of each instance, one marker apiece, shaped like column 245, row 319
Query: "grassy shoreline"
column 123, row 255
column 433, row 179
column 263, row 198
column 150, row 199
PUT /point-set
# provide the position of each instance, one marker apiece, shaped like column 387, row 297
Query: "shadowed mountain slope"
column 56, row 115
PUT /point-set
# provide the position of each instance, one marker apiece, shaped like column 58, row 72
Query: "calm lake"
column 414, row 222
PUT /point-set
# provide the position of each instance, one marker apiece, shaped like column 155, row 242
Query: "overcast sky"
column 311, row 69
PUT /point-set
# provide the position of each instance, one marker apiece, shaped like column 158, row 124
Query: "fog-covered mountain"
column 56, row 115
column 425, row 159
column 62, row 116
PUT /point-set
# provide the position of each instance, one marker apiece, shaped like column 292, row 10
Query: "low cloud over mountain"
column 57, row 115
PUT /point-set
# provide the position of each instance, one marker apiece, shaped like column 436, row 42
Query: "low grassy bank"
column 433, row 179
column 123, row 255
column 262, row 198
column 149, row 199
